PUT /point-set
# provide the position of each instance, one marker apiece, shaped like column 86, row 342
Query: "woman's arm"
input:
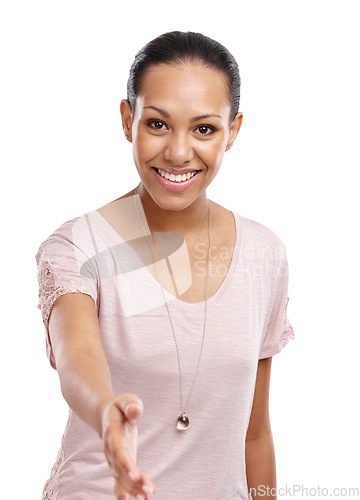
column 259, row 449
column 80, row 360
column 86, row 385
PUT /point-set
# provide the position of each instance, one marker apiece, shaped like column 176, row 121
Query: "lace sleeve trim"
column 56, row 293
column 51, row 487
column 51, row 287
column 49, row 291
column 287, row 333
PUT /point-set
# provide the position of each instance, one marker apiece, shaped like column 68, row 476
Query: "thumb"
column 131, row 406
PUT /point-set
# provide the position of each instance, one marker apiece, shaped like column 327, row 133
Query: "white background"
column 64, row 70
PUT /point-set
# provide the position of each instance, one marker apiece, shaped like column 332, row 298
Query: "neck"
column 187, row 221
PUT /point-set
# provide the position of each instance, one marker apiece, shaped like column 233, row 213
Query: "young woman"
column 162, row 308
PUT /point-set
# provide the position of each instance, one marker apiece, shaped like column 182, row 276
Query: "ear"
column 126, row 118
column 234, row 129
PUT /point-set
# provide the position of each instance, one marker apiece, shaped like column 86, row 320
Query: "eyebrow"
column 195, row 119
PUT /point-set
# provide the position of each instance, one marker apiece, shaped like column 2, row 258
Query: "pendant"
column 182, row 422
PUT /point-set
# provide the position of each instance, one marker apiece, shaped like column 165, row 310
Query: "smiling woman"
column 188, row 135
column 163, row 309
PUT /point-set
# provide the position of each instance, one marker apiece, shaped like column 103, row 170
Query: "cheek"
column 146, row 147
column 212, row 155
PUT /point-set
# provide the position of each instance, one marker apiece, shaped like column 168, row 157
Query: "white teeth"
column 176, row 178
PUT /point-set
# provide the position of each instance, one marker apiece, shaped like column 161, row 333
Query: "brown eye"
column 156, row 124
column 205, row 129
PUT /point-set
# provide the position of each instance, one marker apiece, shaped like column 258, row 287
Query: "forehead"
column 185, row 86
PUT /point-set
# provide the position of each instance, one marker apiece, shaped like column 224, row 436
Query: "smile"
column 176, row 178
column 176, row 183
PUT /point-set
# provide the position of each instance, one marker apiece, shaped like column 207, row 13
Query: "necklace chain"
column 183, row 407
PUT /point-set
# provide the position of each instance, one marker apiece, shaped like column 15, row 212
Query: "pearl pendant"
column 182, row 422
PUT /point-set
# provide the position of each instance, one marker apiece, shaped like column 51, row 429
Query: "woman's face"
column 180, row 126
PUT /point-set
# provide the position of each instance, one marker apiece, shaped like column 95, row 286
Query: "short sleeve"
column 59, row 262
column 279, row 329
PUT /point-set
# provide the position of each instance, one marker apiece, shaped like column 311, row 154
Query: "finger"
column 136, row 490
column 131, row 406
column 122, row 463
column 133, row 482
column 118, row 449
column 140, row 481
column 120, row 493
column 133, row 413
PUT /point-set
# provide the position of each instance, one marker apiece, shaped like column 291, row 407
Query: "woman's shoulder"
column 67, row 228
column 116, row 212
column 82, row 229
column 91, row 232
column 74, row 237
column 253, row 232
column 257, row 232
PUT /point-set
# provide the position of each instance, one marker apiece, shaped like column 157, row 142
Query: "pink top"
column 246, row 321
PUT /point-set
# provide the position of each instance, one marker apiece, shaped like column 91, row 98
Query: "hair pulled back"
column 177, row 47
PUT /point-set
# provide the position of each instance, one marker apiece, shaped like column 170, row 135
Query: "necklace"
column 183, row 421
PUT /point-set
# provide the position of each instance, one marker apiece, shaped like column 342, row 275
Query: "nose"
column 179, row 149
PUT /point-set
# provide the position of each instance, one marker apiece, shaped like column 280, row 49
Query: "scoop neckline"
column 170, row 298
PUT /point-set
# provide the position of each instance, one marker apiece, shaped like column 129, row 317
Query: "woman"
column 162, row 308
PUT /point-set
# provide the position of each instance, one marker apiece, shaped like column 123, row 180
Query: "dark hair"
column 178, row 47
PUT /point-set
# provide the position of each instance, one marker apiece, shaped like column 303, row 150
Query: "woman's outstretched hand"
column 119, row 434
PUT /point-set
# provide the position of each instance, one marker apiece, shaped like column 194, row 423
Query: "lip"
column 178, row 172
column 176, row 187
